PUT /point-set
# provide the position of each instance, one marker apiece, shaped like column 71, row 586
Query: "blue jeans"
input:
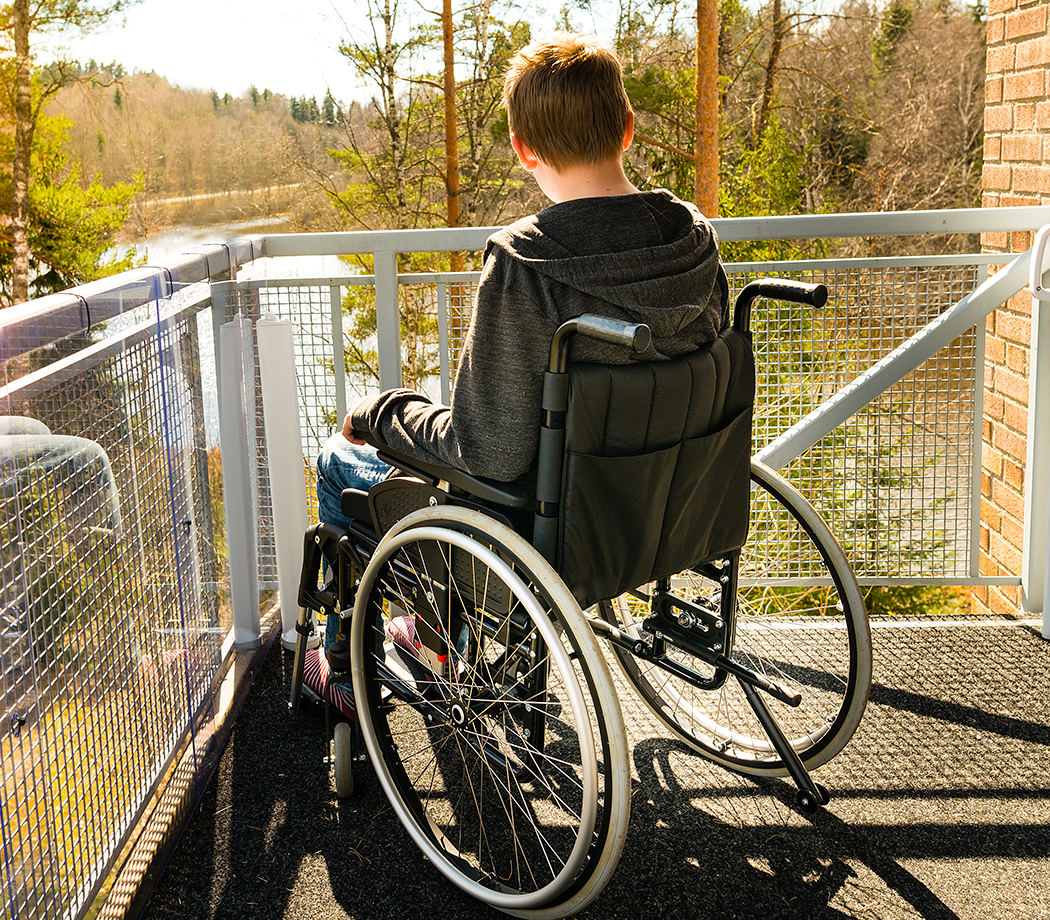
column 342, row 465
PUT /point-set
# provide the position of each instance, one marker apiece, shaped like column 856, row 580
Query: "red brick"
column 1034, row 53
column 995, row 175
column 996, row 29
column 1000, row 6
column 1001, row 604
column 1017, row 355
column 1012, row 386
column 990, row 516
column 1001, row 59
column 1009, row 501
column 994, row 406
column 1013, row 531
column 1028, row 84
column 1016, row 201
column 998, row 118
column 987, row 565
column 995, row 349
column 1016, row 417
column 1022, row 147
column 1031, row 178
column 1020, row 240
column 1024, row 116
column 986, row 485
column 1009, row 443
column 1026, row 22
column 1042, row 116
column 1013, row 329
column 1006, row 555
column 1013, row 474
column 1021, row 302
column 992, row 464
column 993, row 90
column 995, row 239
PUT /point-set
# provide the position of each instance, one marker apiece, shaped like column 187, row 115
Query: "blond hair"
column 566, row 101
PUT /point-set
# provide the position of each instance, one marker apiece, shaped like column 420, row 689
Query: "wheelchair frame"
column 677, row 645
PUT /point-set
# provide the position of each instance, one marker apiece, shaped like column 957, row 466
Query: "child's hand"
column 348, row 427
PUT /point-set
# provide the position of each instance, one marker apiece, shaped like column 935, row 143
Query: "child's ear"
column 529, row 161
column 628, row 134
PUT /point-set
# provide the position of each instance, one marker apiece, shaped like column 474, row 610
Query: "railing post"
column 338, row 354
column 388, row 320
column 284, row 454
column 1035, row 558
column 237, row 414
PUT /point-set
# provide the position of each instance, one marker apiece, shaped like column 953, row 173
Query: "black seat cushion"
column 657, row 467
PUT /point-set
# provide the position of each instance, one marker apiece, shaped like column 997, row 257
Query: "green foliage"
column 916, row 601
column 420, row 360
column 895, row 24
column 769, row 177
column 305, row 110
column 72, row 224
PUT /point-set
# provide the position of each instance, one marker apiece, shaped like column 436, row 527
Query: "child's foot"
column 315, row 676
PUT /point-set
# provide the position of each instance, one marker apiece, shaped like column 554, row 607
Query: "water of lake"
column 172, row 244
column 169, row 245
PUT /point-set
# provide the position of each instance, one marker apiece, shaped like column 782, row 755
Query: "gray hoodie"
column 647, row 257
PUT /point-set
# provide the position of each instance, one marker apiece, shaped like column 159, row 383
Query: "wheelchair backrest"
column 656, row 473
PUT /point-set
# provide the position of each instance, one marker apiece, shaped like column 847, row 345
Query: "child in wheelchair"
column 603, row 247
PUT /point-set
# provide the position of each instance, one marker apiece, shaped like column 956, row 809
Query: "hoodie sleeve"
column 492, row 426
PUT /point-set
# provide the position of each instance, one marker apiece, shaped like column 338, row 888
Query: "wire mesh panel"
column 895, row 483
column 435, row 316
column 110, row 608
column 308, row 307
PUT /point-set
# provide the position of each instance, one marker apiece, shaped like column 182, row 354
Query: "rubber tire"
column 343, row 760
column 588, row 707
column 793, row 648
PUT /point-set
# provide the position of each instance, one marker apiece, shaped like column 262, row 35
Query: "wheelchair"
column 479, row 619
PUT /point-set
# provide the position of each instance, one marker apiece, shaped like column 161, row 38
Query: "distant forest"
column 872, row 106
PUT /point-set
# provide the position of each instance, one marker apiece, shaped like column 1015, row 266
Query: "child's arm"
column 492, row 426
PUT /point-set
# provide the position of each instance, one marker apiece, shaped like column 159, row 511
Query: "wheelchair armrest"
column 490, row 490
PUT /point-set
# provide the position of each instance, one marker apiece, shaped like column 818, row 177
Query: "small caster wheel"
column 342, row 757
column 810, row 804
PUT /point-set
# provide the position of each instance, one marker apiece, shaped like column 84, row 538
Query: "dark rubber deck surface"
column 940, row 809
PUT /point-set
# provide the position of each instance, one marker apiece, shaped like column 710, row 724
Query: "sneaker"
column 402, row 632
column 316, row 676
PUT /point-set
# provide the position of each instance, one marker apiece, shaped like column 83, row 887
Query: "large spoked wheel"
column 489, row 713
column 800, row 620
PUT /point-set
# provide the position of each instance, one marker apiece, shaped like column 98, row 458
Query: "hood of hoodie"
column 651, row 255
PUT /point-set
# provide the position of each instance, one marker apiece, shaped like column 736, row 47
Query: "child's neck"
column 602, row 180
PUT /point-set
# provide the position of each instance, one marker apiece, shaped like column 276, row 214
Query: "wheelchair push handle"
column 635, row 336
column 814, row 295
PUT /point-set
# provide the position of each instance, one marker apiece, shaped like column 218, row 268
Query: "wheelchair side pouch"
column 626, row 521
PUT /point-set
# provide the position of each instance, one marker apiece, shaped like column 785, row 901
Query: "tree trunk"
column 451, row 132
column 779, row 28
column 24, row 126
column 705, row 175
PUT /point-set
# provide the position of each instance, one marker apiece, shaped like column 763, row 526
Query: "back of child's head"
column 566, row 101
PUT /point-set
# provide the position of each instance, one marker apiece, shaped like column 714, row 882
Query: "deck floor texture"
column 940, row 809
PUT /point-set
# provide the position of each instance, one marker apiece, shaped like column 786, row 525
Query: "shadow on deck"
column 940, row 809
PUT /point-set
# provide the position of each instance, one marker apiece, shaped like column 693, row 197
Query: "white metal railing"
column 112, row 632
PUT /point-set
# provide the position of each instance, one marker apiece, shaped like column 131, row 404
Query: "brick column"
column 1016, row 172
